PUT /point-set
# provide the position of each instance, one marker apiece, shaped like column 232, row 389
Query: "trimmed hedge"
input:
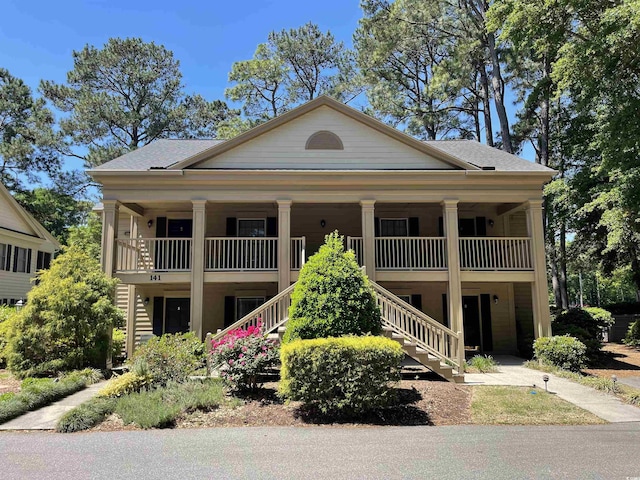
column 347, row 375
column 332, row 297
column 587, row 325
column 633, row 334
column 564, row 352
column 124, row 384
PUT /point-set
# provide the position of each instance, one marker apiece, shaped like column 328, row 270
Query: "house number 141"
column 154, row 278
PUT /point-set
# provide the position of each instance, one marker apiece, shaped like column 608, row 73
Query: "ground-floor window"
column 22, row 260
column 245, row 305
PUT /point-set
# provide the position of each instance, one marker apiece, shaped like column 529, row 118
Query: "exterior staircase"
column 422, row 338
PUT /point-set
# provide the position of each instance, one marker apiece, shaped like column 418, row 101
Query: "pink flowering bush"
column 242, row 356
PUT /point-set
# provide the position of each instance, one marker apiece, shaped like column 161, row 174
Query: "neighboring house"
column 25, row 248
column 203, row 232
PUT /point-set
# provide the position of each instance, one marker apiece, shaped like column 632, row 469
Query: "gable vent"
column 324, row 140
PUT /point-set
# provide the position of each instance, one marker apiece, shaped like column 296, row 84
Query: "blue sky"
column 38, row 37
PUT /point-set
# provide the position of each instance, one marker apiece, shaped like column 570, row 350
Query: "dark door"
column 471, row 321
column 177, row 315
column 467, row 227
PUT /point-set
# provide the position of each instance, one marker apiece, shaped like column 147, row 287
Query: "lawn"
column 492, row 405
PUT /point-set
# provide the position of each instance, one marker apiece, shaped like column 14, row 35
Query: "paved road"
column 603, row 451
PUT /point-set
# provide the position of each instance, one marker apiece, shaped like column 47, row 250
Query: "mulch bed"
column 8, row 383
column 619, row 360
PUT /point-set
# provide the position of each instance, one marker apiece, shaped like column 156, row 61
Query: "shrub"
column 602, row 317
column 333, row 296
column 147, row 409
column 347, row 375
column 243, row 356
column 170, row 358
column 67, row 319
column 564, row 352
column 579, row 323
column 633, row 334
column 124, row 384
column 86, row 415
column 483, row 364
column 191, row 396
column 118, row 340
column 7, row 322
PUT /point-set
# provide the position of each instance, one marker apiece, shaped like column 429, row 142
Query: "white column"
column 131, row 303
column 284, row 244
column 539, row 287
column 369, row 237
column 454, row 295
column 197, row 265
column 111, row 210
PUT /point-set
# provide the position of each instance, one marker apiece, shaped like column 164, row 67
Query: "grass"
column 625, row 393
column 39, row 392
column 481, row 364
column 86, row 415
column 520, row 406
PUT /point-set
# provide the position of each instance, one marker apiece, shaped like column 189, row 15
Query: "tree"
column 88, row 236
column 125, row 95
column 68, row 318
column 27, row 139
column 292, row 67
column 332, row 297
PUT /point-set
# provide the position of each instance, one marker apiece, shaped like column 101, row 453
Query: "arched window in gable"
column 324, row 140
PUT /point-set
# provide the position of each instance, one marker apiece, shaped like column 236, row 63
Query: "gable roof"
column 37, row 227
column 181, row 154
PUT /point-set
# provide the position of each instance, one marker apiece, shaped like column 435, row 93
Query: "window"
column 245, row 305
column 252, row 227
column 324, row 140
column 5, row 256
column 22, row 260
column 43, row 261
column 394, row 227
column 406, row 298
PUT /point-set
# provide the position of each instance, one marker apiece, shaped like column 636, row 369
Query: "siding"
column 11, row 219
column 284, row 147
column 523, row 307
column 13, row 284
column 518, row 225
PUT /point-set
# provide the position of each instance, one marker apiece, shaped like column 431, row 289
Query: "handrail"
column 241, row 253
column 495, row 253
column 271, row 314
column 429, row 334
column 137, row 255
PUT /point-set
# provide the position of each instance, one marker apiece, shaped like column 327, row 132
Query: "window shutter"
column 161, row 227
column 481, row 226
column 158, row 315
column 416, row 301
column 8, row 259
column 485, row 313
column 46, row 261
column 15, row 259
column 440, row 227
column 272, row 226
column 232, row 227
column 445, row 310
column 376, row 227
column 229, row 310
column 414, row 227
column 29, row 260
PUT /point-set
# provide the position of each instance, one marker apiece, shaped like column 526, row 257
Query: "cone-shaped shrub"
column 333, row 296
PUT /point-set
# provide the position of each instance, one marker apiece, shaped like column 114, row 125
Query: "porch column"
column 539, row 287
column 131, row 303
column 197, row 265
column 454, row 295
column 110, row 213
column 369, row 237
column 284, row 244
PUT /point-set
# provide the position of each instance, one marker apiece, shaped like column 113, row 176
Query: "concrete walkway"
column 511, row 372
column 47, row 417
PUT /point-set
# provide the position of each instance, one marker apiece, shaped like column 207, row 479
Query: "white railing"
column 270, row 315
column 429, row 334
column 495, row 253
column 355, row 244
column 411, row 253
column 153, row 255
column 241, row 253
column 298, row 252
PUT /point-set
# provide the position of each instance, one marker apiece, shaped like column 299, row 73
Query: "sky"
column 37, row 38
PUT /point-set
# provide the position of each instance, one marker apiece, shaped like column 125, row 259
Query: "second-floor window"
column 22, row 260
column 5, row 256
column 252, row 227
column 394, row 227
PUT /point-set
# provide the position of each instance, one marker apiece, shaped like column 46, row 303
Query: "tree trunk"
column 486, row 105
column 498, row 94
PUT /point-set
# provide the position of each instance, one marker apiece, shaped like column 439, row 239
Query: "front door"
column 471, row 321
column 177, row 313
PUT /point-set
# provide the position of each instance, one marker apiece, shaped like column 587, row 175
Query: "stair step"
column 398, row 338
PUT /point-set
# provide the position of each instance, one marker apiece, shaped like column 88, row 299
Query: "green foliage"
column 347, row 375
column 118, row 340
column 170, row 358
column 579, row 323
column 601, row 317
column 333, row 296
column 88, row 237
column 482, row 364
column 86, row 415
column 565, row 352
column 37, row 393
column 633, row 334
column 7, row 322
column 124, row 384
column 125, row 95
column 67, row 318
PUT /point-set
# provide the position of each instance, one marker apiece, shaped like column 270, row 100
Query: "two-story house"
column 25, row 248
column 203, row 233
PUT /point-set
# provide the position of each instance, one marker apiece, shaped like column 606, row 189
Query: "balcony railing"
column 411, row 253
column 241, row 254
column 495, row 253
column 153, row 255
column 355, row 244
column 298, row 252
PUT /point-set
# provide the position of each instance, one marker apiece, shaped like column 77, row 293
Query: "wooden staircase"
column 422, row 338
